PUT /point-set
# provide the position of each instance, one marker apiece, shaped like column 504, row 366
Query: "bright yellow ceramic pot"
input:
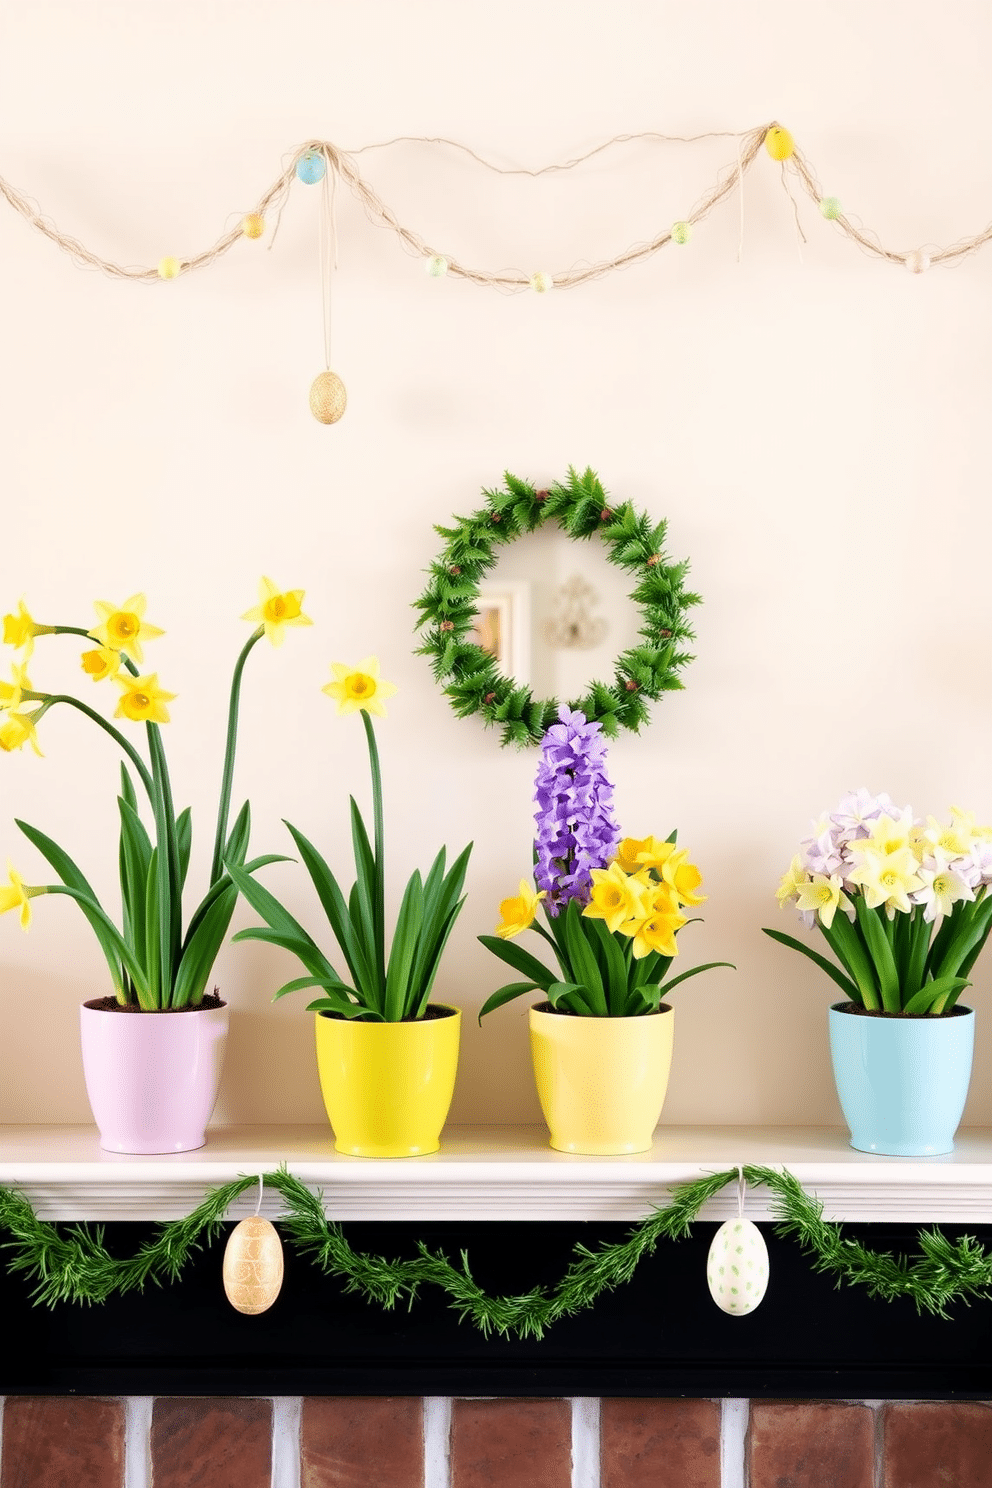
column 601, row 1081
column 387, row 1087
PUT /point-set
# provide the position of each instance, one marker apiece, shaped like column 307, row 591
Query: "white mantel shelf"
column 495, row 1173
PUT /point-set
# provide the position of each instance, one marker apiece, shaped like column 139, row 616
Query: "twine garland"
column 344, row 167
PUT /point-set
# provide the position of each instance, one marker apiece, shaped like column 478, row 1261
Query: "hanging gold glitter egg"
column 328, row 398
column 253, row 1265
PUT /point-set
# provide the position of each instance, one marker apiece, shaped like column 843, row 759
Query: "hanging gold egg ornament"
column 779, row 143
column 169, row 268
column 737, row 1267
column 253, row 225
column 328, row 398
column 253, row 1266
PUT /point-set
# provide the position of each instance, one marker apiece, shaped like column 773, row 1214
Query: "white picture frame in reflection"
column 502, row 626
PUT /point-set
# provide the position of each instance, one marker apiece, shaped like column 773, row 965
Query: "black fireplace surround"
column 658, row 1335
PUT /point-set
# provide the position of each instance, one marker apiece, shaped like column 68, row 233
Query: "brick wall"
column 55, row 1441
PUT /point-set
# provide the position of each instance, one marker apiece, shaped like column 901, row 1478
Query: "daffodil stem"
column 230, row 747
column 379, row 911
column 169, row 888
column 108, row 728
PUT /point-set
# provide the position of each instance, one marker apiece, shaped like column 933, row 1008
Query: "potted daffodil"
column 902, row 903
column 153, row 1046
column 386, row 1054
column 601, row 1040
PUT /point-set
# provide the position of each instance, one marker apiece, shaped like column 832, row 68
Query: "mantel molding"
column 495, row 1173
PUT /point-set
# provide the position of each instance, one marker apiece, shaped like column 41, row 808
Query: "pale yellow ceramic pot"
column 601, row 1081
column 387, row 1087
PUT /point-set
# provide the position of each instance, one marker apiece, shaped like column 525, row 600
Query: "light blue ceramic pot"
column 902, row 1082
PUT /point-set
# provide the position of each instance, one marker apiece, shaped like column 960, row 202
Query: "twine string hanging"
column 345, row 167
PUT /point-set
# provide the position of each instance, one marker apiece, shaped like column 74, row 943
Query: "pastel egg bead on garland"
column 737, row 1267
column 253, row 1266
column 779, row 143
column 311, row 167
column 328, row 398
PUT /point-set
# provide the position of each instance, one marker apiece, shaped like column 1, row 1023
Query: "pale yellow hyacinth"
column 142, row 700
column 888, row 879
column 792, row 881
column 16, row 897
column 123, row 627
column 276, row 609
column 517, row 914
column 359, row 688
column 824, row 896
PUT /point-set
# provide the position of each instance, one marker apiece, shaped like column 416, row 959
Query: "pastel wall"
column 812, row 421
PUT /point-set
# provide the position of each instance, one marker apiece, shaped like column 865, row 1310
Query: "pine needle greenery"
column 75, row 1266
column 470, row 676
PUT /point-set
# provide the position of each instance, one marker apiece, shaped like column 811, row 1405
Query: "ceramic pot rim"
column 547, row 1010
column 853, row 1009
column 445, row 1010
column 93, row 1005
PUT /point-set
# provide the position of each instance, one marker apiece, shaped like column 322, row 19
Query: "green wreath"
column 469, row 675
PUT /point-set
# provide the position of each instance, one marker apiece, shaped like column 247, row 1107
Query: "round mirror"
column 521, row 609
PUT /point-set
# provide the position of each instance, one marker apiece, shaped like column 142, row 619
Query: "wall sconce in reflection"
column 573, row 624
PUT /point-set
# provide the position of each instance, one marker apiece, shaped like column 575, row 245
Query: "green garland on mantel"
column 469, row 675
column 76, row 1266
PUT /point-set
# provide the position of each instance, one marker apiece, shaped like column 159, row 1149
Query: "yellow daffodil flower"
column 142, row 700
column 518, row 914
column 359, row 687
column 18, row 731
column 16, row 897
column 654, row 932
column 123, row 627
column 792, row 881
column 101, row 663
column 615, row 896
column 636, row 853
column 20, row 630
column 10, row 692
column 888, row 879
column 683, row 878
column 824, row 897
column 276, row 609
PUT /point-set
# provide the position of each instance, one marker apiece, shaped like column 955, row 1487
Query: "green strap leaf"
column 880, row 949
column 849, row 988
column 938, row 996
column 506, row 994
column 368, row 987
column 585, row 971
column 521, row 960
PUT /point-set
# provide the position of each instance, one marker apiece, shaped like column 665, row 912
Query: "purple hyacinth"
column 576, row 829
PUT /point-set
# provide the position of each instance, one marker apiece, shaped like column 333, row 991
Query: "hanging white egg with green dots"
column 737, row 1267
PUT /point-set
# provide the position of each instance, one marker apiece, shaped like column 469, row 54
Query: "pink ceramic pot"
column 152, row 1078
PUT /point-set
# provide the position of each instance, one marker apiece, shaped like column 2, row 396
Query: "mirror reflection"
column 555, row 613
